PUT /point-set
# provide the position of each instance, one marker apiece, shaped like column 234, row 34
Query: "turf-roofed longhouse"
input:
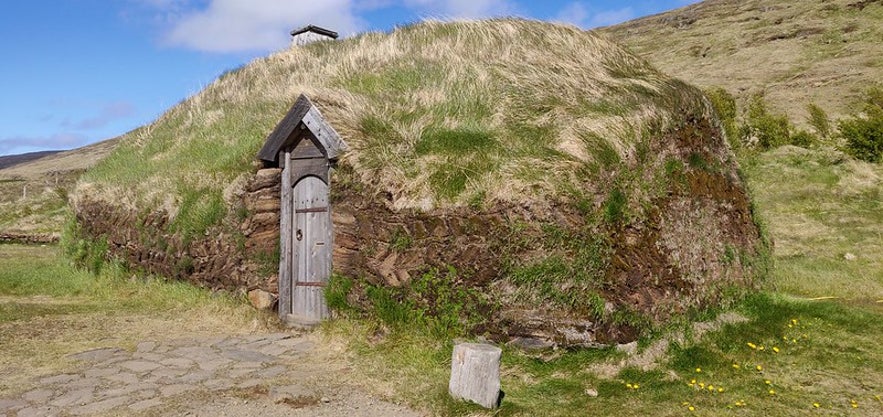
column 562, row 188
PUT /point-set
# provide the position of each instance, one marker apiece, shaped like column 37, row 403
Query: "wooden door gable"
column 307, row 146
column 302, row 117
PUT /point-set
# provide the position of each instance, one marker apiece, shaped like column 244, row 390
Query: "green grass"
column 825, row 214
column 829, row 354
column 41, row 272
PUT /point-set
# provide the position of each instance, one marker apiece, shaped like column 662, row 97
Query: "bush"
column 864, row 135
column 725, row 106
column 803, row 139
column 864, row 138
column 818, row 119
column 763, row 129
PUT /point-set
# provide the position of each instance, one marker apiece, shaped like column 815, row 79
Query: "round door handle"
column 299, row 235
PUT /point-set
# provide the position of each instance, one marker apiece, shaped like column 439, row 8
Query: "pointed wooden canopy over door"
column 306, row 147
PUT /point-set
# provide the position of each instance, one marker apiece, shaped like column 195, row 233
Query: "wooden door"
column 311, row 250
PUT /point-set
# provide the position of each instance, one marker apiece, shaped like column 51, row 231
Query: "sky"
column 76, row 72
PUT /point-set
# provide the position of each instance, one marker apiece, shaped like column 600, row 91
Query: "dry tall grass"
column 795, row 52
column 530, row 92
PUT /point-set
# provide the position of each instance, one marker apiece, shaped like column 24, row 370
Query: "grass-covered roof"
column 435, row 114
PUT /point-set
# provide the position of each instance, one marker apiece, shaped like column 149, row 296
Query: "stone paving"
column 117, row 381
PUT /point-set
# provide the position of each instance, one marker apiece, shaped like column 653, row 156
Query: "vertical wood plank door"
column 311, row 258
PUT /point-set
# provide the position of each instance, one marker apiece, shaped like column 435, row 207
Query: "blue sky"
column 79, row 71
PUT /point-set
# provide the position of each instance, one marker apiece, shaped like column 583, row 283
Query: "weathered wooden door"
column 311, row 249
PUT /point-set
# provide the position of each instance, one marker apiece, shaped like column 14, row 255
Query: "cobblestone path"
column 267, row 375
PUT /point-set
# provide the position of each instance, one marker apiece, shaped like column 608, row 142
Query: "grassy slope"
column 797, row 52
column 33, row 192
column 534, row 99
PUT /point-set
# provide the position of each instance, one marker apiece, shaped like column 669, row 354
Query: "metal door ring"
column 299, row 235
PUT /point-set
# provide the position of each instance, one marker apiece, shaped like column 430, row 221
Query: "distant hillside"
column 34, row 187
column 7, row 161
column 40, row 164
column 797, row 52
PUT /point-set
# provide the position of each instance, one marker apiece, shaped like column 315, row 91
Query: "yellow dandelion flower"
column 759, row 368
column 772, row 392
column 711, row 387
column 735, row 366
column 790, row 326
column 752, row 345
column 720, row 390
column 853, row 403
column 636, row 386
column 685, row 403
column 698, row 370
column 793, row 340
column 760, row 348
column 701, row 385
column 691, row 408
column 629, row 386
column 692, row 382
column 793, row 321
column 768, row 382
column 775, row 349
column 816, row 405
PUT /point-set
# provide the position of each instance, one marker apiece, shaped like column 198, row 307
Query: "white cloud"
column 254, row 25
column 578, row 13
column 463, row 8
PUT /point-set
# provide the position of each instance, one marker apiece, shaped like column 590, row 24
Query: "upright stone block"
column 475, row 374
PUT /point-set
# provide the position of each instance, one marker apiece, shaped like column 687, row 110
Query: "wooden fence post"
column 475, row 374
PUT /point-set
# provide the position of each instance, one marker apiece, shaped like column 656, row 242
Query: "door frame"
column 294, row 170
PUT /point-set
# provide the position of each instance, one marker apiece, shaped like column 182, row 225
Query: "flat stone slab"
column 96, row 355
column 100, row 406
column 12, row 405
column 139, row 366
column 248, row 356
column 37, row 395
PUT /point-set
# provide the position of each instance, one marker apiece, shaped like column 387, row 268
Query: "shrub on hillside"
column 725, row 106
column 765, row 130
column 803, row 139
column 818, row 119
column 864, row 134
